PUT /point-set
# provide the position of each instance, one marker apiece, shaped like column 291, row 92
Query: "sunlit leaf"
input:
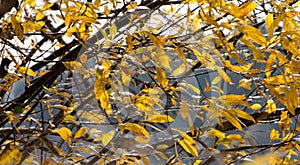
column 188, row 147
column 274, row 134
column 269, row 20
column 232, row 119
column 269, row 64
column 154, row 39
column 161, row 119
column 113, row 30
column 216, row 80
column 10, row 155
column 243, row 114
column 224, row 75
column 17, row 28
column 107, row 137
column 247, row 8
column 81, row 132
column 161, row 77
column 245, row 84
column 65, row 133
column 216, row 133
column 134, row 128
column 31, row 3
column 101, row 93
column 197, row 162
column 26, row 71
column 256, row 106
column 236, row 137
column 184, row 110
column 271, row 106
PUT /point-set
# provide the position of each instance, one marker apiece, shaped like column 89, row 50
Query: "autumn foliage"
column 150, row 82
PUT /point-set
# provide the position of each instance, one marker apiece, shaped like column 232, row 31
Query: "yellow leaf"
column 17, row 28
column 196, row 90
column 269, row 20
column 161, row 119
column 65, row 133
column 68, row 19
column 256, row 106
column 134, row 128
column 101, row 93
column 181, row 69
column 224, row 75
column 164, row 61
column 255, row 35
column 196, row 23
column 31, row 3
column 197, row 162
column 10, row 155
column 247, row 8
column 232, row 119
column 82, row 131
column 26, row 71
column 184, row 110
column 161, row 77
column 69, row 64
column 113, row 30
column 243, row 114
column 236, row 137
column 288, row 137
column 271, row 106
column 216, row 80
column 188, row 147
column 107, row 137
column 162, row 147
column 245, row 84
column 233, row 99
column 186, row 137
column 275, row 24
column 291, row 99
column 154, row 39
column 237, row 68
column 97, row 3
column 106, row 10
column 216, row 133
column 269, row 64
column 274, row 134
column 40, row 15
